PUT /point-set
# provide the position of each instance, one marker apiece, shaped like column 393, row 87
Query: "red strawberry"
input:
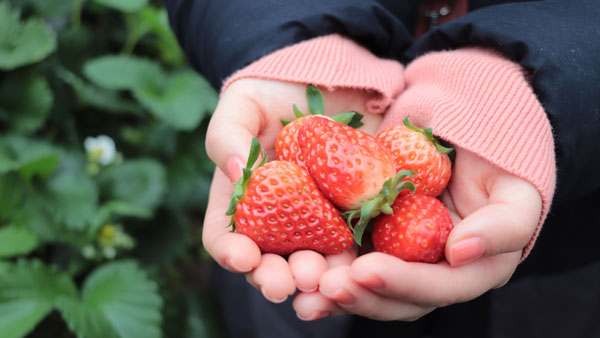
column 282, row 210
column 417, row 230
column 286, row 145
column 417, row 149
column 351, row 169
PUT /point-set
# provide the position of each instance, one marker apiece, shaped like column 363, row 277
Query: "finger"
column 307, row 267
column 433, row 285
column 313, row 305
column 338, row 285
column 506, row 224
column 234, row 252
column 273, row 278
column 344, row 258
column 235, row 121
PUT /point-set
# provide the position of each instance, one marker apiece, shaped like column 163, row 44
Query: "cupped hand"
column 254, row 108
column 495, row 216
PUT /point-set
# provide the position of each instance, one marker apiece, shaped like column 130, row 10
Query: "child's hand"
column 495, row 216
column 248, row 108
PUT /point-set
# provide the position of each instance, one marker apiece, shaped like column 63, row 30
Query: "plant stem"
column 76, row 15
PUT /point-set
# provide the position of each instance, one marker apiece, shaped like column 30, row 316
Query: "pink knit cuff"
column 331, row 62
column 481, row 101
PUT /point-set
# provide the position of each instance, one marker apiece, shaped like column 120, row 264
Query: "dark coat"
column 555, row 292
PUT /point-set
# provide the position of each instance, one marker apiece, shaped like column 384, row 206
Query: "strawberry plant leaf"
column 123, row 6
column 29, row 290
column 121, row 72
column 27, row 98
column 16, row 241
column 28, row 157
column 186, row 99
column 12, row 195
column 316, row 102
column 23, row 43
column 117, row 300
column 139, row 182
column 46, row 8
column 70, row 198
column 90, row 95
column 181, row 99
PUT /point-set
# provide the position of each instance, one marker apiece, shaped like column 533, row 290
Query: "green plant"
column 103, row 173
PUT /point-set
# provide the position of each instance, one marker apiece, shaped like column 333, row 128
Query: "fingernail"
column 234, row 168
column 371, row 280
column 466, row 251
column 313, row 316
column 308, row 290
column 271, row 299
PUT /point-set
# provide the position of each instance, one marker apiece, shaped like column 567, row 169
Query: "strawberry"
column 418, row 150
column 416, row 231
column 279, row 206
column 350, row 168
column 286, row 145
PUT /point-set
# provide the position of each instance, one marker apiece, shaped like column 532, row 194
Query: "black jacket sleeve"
column 220, row 37
column 559, row 42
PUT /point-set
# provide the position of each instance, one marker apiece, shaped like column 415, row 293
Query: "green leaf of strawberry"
column 316, row 102
column 428, row 132
column 239, row 188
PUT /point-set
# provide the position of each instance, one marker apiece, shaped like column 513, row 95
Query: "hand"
column 254, row 108
column 495, row 215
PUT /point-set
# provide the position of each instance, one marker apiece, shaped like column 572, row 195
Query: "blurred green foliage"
column 103, row 173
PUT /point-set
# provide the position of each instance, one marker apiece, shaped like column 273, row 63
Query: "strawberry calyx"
column 428, row 132
column 239, row 187
column 381, row 203
column 316, row 106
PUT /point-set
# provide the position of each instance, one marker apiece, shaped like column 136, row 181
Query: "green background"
column 92, row 250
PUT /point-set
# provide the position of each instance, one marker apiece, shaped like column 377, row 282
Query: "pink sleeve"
column 479, row 100
column 472, row 97
column 331, row 62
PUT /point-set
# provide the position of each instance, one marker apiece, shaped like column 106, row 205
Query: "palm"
column 486, row 204
column 254, row 108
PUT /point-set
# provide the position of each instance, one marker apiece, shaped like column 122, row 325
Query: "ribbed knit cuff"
column 481, row 101
column 331, row 62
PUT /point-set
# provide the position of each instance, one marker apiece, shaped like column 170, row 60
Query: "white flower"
column 89, row 251
column 100, row 149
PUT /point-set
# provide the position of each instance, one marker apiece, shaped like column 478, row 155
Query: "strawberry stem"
column 428, row 132
column 381, row 203
column 239, row 187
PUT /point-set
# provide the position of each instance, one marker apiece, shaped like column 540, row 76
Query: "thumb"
column 506, row 224
column 235, row 122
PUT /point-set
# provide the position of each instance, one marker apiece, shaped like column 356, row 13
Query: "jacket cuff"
column 331, row 62
column 479, row 100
